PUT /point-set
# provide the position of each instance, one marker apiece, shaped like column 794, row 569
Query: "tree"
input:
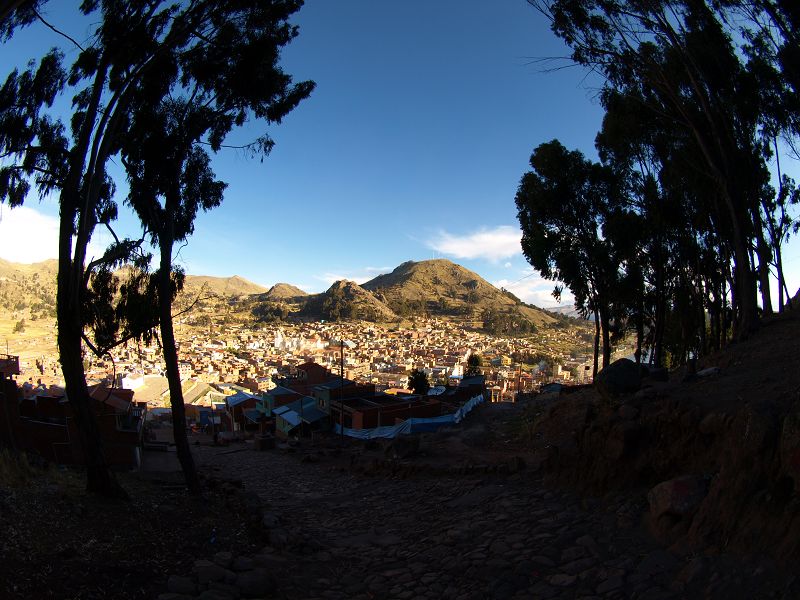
column 677, row 57
column 562, row 206
column 19, row 326
column 168, row 168
column 418, row 381
column 141, row 53
column 474, row 364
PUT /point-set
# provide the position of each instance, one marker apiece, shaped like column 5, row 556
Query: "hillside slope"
column 440, row 286
column 224, row 286
column 283, row 292
column 347, row 300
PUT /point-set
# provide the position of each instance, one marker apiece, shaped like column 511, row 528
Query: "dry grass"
column 15, row 470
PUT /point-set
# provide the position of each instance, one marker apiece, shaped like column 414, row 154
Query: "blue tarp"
column 413, row 425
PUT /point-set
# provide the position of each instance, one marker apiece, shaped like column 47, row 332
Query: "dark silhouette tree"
column 562, row 206
column 677, row 57
column 418, row 381
column 474, row 364
column 141, row 53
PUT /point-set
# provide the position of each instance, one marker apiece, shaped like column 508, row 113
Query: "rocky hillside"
column 347, row 300
column 282, row 292
column 445, row 288
column 28, row 288
column 223, row 286
column 716, row 453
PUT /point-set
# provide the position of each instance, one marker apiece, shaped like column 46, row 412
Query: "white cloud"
column 491, row 244
column 29, row 236
column 507, row 265
column 26, row 235
column 535, row 290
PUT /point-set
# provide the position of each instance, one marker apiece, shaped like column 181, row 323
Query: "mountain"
column 442, row 287
column 283, row 292
column 28, row 286
column 224, row 286
column 346, row 300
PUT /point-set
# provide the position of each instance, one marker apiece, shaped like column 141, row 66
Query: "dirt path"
column 340, row 534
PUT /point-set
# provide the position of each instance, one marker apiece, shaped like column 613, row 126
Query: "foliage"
column 418, row 381
column 474, row 363
column 696, row 96
column 19, row 326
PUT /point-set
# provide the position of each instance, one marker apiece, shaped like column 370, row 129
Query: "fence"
column 413, row 425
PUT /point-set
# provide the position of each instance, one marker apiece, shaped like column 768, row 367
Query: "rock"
column 173, row 596
column 269, row 520
column 654, row 373
column 403, row 446
column 709, row 372
column 790, row 445
column 208, row 571
column 223, row 559
column 516, row 464
column 256, row 583
column 225, row 588
column 562, row 579
column 242, row 563
column 181, row 585
column 215, row 595
column 680, row 496
column 612, row 583
column 628, row 412
column 279, row 538
column 620, row 377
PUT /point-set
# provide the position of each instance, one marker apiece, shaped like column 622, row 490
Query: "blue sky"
column 411, row 147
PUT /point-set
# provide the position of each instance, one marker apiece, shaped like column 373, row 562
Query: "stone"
column 242, row 563
column 612, row 583
column 515, row 464
column 654, row 373
column 256, row 583
column 223, row 559
column 208, row 571
column 628, row 412
column 181, row 585
column 623, row 376
column 680, row 496
column 790, row 446
column 269, row 520
column 215, row 595
column 173, row 596
column 709, row 372
column 562, row 579
column 225, row 588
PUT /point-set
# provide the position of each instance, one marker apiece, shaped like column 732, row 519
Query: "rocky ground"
column 367, row 523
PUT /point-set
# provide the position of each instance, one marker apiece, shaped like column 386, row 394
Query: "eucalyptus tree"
column 169, row 171
column 140, row 53
column 562, row 205
column 679, row 58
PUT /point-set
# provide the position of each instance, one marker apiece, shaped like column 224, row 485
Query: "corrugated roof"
column 240, row 397
column 291, row 417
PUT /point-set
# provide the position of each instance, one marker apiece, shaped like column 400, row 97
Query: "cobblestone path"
column 344, row 535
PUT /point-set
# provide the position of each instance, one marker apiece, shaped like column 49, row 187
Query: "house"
column 301, row 417
column 367, row 411
column 240, row 411
column 45, row 424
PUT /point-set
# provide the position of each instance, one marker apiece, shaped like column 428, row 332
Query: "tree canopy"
column 697, row 96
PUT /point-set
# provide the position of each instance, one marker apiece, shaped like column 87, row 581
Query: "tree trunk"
column 171, row 361
column 764, row 253
column 596, row 343
column 604, row 324
column 99, row 478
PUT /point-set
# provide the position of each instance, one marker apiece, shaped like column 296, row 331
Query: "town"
column 237, row 378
